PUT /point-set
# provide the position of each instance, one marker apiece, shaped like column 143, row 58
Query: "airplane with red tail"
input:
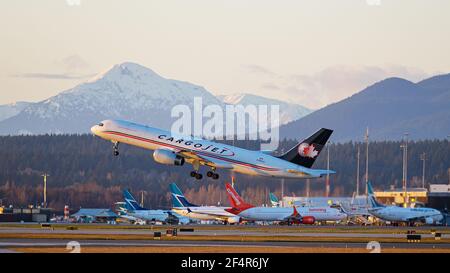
column 249, row 212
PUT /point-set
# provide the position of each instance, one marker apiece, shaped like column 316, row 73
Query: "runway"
column 219, row 238
column 7, row 243
column 218, row 232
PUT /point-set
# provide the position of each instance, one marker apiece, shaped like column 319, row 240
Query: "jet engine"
column 234, row 220
column 429, row 221
column 168, row 157
column 308, row 220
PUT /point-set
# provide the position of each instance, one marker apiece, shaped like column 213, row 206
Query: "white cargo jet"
column 174, row 149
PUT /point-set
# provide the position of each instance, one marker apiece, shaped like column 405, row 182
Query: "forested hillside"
column 84, row 173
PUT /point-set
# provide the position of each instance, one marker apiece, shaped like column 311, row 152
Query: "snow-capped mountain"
column 126, row 91
column 288, row 111
column 12, row 109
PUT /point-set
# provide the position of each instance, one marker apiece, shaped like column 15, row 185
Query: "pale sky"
column 310, row 52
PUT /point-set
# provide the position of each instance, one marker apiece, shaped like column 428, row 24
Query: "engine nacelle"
column 429, row 221
column 308, row 220
column 234, row 220
column 168, row 157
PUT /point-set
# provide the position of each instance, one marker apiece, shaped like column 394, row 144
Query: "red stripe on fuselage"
column 199, row 152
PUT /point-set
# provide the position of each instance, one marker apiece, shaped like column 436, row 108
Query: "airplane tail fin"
column 178, row 199
column 306, row 151
column 274, row 200
column 236, row 201
column 130, row 202
column 372, row 199
column 121, row 208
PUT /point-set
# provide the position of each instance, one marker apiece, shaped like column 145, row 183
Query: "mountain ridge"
column 389, row 108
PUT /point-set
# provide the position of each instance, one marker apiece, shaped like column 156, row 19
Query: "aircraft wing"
column 218, row 215
column 191, row 156
column 419, row 219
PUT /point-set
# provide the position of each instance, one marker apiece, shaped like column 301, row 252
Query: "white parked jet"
column 176, row 150
column 303, row 215
column 401, row 214
column 183, row 207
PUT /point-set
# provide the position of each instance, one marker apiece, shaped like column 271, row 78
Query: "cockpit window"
column 100, row 124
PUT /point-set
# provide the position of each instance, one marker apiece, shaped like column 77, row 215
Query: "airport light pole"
column 404, row 146
column 448, row 137
column 282, row 184
column 308, row 181
column 367, row 157
column 142, row 197
column 423, row 158
column 45, row 175
column 327, row 184
column 357, row 171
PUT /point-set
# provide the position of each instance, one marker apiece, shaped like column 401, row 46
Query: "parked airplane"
column 175, row 150
column 304, row 215
column 401, row 214
column 251, row 213
column 182, row 206
column 321, row 213
column 134, row 212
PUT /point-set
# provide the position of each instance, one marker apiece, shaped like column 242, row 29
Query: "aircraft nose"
column 94, row 129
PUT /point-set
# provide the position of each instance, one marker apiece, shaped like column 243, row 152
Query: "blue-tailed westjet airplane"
column 176, row 150
column 133, row 210
column 182, row 206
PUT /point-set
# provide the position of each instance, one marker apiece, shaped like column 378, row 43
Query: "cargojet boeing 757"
column 175, row 150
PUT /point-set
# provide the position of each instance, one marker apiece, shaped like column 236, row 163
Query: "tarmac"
column 13, row 237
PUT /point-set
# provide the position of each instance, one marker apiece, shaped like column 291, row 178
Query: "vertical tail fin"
column 178, row 199
column 274, row 200
column 236, row 201
column 372, row 199
column 130, row 202
column 306, row 151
